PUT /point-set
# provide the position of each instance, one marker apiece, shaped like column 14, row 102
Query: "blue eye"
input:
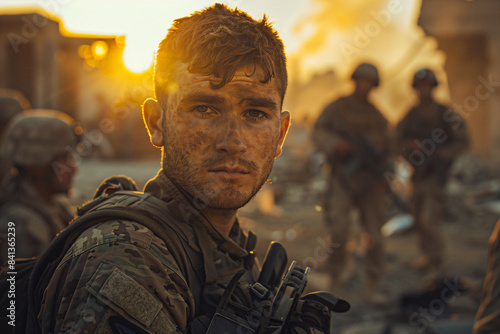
column 255, row 113
column 202, row 109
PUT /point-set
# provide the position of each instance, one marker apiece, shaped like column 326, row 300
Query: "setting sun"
column 144, row 25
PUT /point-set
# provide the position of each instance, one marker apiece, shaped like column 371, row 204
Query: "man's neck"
column 427, row 100
column 45, row 194
column 222, row 219
column 360, row 97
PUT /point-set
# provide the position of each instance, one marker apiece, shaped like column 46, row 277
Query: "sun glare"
column 138, row 54
column 99, row 50
column 137, row 62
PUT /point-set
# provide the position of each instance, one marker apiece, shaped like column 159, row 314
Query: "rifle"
column 368, row 155
column 273, row 309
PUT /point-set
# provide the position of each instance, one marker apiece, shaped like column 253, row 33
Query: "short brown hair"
column 218, row 41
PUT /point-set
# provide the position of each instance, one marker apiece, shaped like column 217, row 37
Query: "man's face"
column 425, row 89
column 220, row 144
column 364, row 86
column 63, row 171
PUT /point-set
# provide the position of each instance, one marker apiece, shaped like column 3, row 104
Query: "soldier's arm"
column 324, row 135
column 488, row 314
column 405, row 138
column 120, row 275
column 457, row 138
column 386, row 147
column 381, row 138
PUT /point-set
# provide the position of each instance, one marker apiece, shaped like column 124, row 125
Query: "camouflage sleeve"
column 458, row 136
column 32, row 233
column 323, row 135
column 405, row 137
column 488, row 314
column 121, row 270
column 382, row 137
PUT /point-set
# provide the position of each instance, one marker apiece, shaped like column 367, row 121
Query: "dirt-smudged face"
column 220, row 144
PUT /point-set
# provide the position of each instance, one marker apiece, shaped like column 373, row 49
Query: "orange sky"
column 319, row 36
column 145, row 23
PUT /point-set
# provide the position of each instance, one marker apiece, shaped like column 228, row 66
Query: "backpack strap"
column 117, row 198
column 50, row 259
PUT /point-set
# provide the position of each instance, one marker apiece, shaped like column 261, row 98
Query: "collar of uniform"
column 16, row 187
column 182, row 205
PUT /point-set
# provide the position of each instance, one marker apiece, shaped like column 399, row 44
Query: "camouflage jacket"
column 361, row 124
column 36, row 222
column 430, row 138
column 120, row 268
column 488, row 314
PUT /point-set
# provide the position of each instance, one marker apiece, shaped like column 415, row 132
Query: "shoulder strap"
column 50, row 259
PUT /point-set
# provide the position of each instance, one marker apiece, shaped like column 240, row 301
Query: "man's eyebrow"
column 262, row 102
column 203, row 98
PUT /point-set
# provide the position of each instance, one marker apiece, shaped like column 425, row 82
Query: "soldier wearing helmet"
column 430, row 137
column 38, row 147
column 11, row 103
column 354, row 136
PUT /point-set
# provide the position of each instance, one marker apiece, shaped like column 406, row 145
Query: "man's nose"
column 231, row 139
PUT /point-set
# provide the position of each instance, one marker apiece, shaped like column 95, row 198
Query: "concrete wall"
column 469, row 33
column 48, row 68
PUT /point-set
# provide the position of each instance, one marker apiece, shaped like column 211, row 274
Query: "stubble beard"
column 211, row 193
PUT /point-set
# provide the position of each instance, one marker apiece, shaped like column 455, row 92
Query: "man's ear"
column 285, row 120
column 153, row 118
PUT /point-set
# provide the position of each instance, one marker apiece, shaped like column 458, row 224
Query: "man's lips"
column 229, row 170
column 229, row 173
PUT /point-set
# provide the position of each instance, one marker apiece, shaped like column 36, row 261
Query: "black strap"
column 50, row 259
column 120, row 325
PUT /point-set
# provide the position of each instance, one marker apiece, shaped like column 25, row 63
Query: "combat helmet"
column 36, row 137
column 424, row 75
column 366, row 71
column 11, row 103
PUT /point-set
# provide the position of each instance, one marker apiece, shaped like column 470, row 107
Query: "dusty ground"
column 301, row 230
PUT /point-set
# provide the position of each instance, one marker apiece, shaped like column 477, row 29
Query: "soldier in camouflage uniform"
column 220, row 80
column 430, row 137
column 11, row 103
column 354, row 137
column 38, row 146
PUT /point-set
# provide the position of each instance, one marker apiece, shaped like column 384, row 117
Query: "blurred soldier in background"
column 354, row 136
column 38, row 146
column 11, row 103
column 430, row 137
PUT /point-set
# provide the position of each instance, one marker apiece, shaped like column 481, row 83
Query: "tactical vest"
column 185, row 242
column 204, row 270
